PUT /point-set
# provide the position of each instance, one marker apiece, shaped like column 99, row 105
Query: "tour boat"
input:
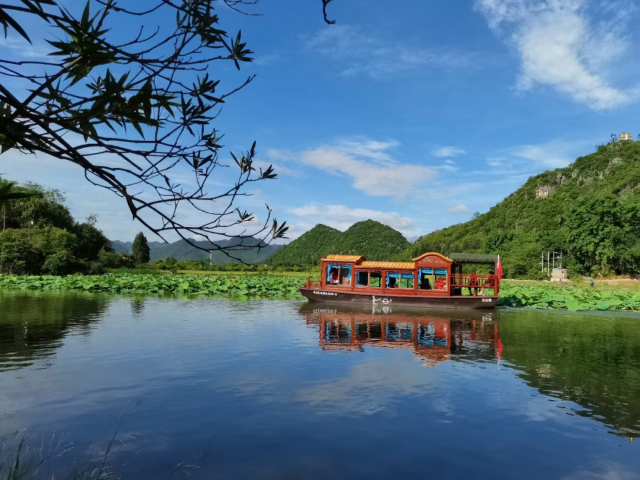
column 431, row 280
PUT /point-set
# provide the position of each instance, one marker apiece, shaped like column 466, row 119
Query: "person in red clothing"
column 473, row 282
column 333, row 276
column 490, row 283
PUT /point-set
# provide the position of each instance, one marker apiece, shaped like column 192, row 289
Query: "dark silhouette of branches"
column 136, row 113
column 325, row 4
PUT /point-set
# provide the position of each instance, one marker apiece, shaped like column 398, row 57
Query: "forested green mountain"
column 183, row 250
column 589, row 210
column 369, row 238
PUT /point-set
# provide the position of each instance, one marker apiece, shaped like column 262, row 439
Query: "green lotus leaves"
column 227, row 285
column 574, row 298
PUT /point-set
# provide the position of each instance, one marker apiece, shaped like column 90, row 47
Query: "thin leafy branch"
column 137, row 113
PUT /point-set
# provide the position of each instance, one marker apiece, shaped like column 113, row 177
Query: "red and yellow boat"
column 431, row 280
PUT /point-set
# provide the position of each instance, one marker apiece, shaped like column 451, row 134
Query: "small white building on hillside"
column 625, row 136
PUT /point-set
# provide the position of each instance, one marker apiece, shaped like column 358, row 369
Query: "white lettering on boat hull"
column 385, row 301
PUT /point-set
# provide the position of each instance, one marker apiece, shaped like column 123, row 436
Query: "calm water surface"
column 209, row 388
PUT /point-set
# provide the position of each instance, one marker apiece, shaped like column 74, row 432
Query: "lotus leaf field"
column 515, row 295
column 227, row 285
column 571, row 297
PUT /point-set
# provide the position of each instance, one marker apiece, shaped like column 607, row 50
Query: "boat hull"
column 440, row 302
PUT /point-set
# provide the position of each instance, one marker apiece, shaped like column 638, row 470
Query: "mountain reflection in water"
column 593, row 361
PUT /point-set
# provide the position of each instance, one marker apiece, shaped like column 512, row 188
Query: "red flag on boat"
column 499, row 268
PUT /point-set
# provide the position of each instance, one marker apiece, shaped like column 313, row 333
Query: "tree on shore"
column 7, row 194
column 140, row 249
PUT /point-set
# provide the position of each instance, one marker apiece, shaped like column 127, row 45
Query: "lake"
column 145, row 388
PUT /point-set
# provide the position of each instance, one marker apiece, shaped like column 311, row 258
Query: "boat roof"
column 360, row 261
column 395, row 265
column 431, row 254
column 476, row 258
column 345, row 258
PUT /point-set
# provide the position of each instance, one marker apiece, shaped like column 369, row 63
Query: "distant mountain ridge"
column 371, row 239
column 183, row 250
column 125, row 247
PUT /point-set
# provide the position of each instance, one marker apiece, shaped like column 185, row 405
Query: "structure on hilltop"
column 625, row 136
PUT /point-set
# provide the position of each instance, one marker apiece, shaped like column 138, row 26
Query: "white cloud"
column 278, row 168
column 280, row 155
column 604, row 471
column 268, row 59
column 368, row 164
column 370, row 386
column 459, row 209
column 530, row 159
column 448, row 152
column 369, row 149
column 555, row 154
column 24, row 49
column 341, row 217
column 560, row 46
column 361, row 53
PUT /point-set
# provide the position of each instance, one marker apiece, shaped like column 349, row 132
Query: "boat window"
column 399, row 280
column 406, row 280
column 362, row 279
column 345, row 276
column 441, row 279
column 433, row 279
column 425, row 279
column 375, row 279
column 339, row 275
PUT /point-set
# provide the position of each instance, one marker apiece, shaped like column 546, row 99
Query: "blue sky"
column 416, row 114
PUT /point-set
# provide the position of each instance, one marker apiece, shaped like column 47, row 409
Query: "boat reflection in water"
column 435, row 337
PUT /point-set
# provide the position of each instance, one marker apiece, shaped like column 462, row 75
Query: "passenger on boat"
column 392, row 282
column 333, row 276
column 424, row 283
column 473, row 282
column 490, row 283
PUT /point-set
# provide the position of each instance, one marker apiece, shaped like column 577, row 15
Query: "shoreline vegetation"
column 514, row 294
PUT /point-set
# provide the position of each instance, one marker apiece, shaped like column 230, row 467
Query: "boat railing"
column 311, row 283
column 474, row 281
column 457, row 281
